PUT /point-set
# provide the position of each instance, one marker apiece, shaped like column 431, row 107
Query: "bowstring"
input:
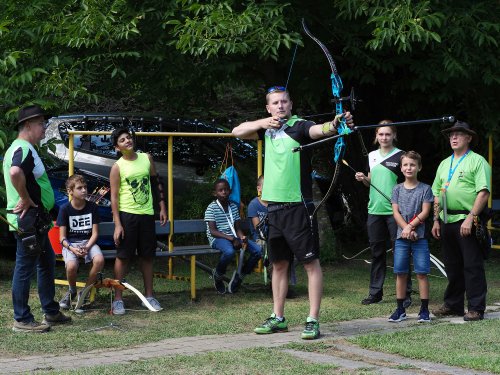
column 283, row 142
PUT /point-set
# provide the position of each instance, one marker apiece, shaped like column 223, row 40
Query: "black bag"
column 261, row 227
column 483, row 236
column 29, row 236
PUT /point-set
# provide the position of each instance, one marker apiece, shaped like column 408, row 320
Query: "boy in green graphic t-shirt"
column 132, row 205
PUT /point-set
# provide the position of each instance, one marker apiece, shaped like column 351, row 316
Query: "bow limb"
column 140, row 295
column 83, row 294
column 336, row 88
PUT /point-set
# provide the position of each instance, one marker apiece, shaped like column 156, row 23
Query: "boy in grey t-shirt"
column 411, row 204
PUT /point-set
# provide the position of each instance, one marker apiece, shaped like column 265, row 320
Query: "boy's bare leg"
column 97, row 266
column 315, row 276
column 147, row 276
column 120, row 268
column 71, row 273
column 280, row 286
column 423, row 285
column 401, row 281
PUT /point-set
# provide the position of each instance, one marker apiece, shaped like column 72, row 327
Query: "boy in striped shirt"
column 224, row 234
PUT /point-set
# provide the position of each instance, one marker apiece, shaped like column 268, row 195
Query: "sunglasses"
column 276, row 88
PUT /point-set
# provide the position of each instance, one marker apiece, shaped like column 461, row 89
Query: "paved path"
column 204, row 344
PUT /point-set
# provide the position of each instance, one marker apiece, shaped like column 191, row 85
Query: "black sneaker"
column 371, row 299
column 65, row 303
column 218, row 282
column 407, row 302
column 235, row 283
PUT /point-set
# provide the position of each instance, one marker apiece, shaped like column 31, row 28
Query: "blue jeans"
column 228, row 253
column 421, row 256
column 25, row 266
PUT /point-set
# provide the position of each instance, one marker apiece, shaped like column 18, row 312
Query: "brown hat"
column 30, row 111
column 462, row 127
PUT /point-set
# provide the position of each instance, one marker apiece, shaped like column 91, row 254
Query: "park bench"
column 186, row 253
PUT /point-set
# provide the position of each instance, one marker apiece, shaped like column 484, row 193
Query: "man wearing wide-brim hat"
column 29, row 198
column 461, row 190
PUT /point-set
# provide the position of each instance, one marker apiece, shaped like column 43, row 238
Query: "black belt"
column 457, row 212
column 283, row 206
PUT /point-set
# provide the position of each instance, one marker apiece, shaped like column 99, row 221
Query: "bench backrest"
column 108, row 228
column 199, row 226
column 180, row 226
column 495, row 204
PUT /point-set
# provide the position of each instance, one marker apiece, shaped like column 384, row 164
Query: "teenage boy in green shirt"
column 132, row 205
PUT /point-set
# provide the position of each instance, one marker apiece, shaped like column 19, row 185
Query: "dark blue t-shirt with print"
column 78, row 223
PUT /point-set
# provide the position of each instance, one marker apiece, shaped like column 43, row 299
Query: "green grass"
column 472, row 345
column 247, row 361
column 345, row 285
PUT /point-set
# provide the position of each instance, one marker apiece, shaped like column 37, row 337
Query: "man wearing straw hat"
column 461, row 190
column 29, row 198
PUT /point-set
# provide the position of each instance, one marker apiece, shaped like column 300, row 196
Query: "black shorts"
column 290, row 234
column 140, row 234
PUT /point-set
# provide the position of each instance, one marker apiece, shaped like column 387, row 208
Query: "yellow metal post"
column 260, row 267
column 193, row 277
column 71, row 157
column 490, row 162
column 171, row 201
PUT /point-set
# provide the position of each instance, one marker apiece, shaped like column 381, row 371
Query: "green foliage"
column 230, row 27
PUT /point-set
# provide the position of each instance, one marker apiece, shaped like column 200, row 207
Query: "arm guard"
column 157, row 188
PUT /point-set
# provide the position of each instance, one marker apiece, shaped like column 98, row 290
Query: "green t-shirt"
column 286, row 171
column 472, row 175
column 135, row 189
column 384, row 172
column 23, row 155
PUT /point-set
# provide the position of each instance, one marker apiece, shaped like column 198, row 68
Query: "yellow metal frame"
column 170, row 189
column 490, row 162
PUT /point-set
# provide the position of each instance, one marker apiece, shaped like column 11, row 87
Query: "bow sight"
column 357, row 129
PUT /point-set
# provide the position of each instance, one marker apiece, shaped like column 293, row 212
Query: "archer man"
column 288, row 189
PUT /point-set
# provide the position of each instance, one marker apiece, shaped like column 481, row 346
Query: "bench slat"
column 108, row 228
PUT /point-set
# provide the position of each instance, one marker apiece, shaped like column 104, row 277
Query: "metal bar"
column 193, row 277
column 71, row 159
column 155, row 134
column 171, row 201
column 490, row 162
column 259, row 173
column 359, row 128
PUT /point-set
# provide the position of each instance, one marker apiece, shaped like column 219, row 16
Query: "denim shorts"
column 421, row 256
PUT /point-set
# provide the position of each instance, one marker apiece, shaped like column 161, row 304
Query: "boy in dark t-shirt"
column 411, row 204
column 78, row 222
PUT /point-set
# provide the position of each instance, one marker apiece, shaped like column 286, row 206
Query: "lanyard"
column 450, row 174
column 230, row 215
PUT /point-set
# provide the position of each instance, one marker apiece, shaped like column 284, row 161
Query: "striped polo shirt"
column 215, row 213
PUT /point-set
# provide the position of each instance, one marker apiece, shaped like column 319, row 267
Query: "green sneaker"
column 312, row 329
column 272, row 325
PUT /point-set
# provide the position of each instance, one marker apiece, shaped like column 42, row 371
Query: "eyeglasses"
column 44, row 124
column 456, row 134
column 276, row 88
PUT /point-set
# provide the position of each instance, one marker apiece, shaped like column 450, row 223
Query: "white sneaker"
column 153, row 302
column 118, row 308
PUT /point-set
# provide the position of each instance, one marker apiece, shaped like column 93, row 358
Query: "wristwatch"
column 472, row 213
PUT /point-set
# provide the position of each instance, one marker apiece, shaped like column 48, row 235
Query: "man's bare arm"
column 329, row 128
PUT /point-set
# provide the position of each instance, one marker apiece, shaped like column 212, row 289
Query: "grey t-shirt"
column 410, row 204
